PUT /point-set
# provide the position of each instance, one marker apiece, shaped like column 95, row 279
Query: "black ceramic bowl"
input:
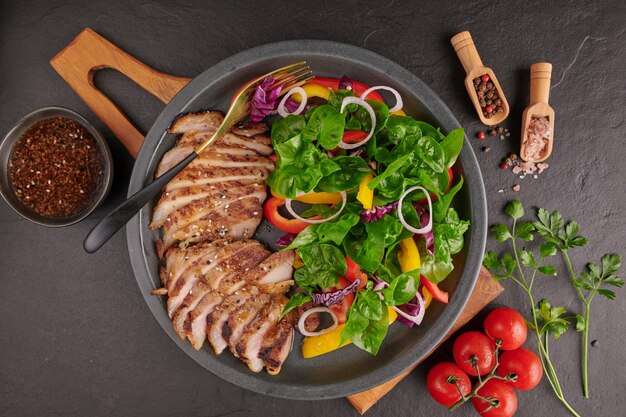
column 347, row 370
column 6, row 150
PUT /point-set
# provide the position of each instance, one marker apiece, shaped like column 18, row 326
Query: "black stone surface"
column 77, row 339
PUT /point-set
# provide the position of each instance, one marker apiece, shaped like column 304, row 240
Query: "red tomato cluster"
column 476, row 353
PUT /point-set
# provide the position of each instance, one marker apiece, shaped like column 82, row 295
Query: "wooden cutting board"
column 89, row 52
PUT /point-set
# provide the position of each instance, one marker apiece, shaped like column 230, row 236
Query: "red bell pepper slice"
column 434, row 290
column 354, row 272
column 270, row 210
column 357, row 87
column 353, row 136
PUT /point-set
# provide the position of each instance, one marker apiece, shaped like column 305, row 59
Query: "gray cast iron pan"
column 347, row 370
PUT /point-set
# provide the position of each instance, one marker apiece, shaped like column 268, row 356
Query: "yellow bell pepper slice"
column 315, row 198
column 312, row 90
column 297, row 262
column 318, row 345
column 409, row 256
column 428, row 297
column 365, row 195
column 399, row 113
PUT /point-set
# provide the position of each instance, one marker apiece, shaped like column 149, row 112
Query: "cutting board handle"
column 88, row 53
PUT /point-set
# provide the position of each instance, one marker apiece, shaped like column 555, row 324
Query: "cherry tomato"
column 354, row 272
column 507, row 325
column 525, row 364
column 474, row 349
column 341, row 309
column 442, row 391
column 503, row 398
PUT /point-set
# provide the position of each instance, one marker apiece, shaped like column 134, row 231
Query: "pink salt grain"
column 537, row 138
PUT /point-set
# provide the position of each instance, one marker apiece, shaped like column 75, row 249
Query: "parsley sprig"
column 594, row 280
column 522, row 266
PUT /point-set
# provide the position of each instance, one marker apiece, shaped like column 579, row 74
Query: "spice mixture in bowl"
column 56, row 167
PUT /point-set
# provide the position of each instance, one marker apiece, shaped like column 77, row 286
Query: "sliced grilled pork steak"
column 222, row 285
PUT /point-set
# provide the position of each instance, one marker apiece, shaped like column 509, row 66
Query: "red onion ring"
column 307, row 313
column 399, row 102
column 370, row 111
column 410, row 228
column 344, row 199
column 281, row 106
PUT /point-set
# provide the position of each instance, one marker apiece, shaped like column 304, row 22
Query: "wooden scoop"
column 464, row 47
column 540, row 74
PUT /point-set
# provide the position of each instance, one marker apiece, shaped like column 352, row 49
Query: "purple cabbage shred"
column 429, row 237
column 411, row 308
column 291, row 105
column 375, row 213
column 331, row 298
column 285, row 240
column 345, row 83
column 264, row 100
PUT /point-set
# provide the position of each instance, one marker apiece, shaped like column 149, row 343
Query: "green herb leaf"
column 547, row 270
column 550, row 319
column 436, row 270
column 611, row 263
column 325, row 125
column 524, row 231
column 514, row 209
column 351, row 172
column 323, row 263
column 402, row 289
column 580, row 323
column 303, row 238
column 336, row 230
column 369, row 305
column 528, row 259
column 296, row 300
column 491, row 260
column 286, row 128
column 547, row 249
column 365, row 333
column 614, row 281
column 452, row 145
column 502, row 233
column 609, row 294
column 508, row 262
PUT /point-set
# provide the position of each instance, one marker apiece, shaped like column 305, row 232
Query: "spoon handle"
column 109, row 225
column 464, row 47
column 540, row 74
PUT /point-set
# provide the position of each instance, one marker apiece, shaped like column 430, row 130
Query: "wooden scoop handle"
column 540, row 74
column 89, row 52
column 464, row 47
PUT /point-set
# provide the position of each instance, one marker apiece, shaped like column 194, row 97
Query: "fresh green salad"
column 378, row 231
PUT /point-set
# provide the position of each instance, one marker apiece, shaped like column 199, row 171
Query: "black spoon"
column 108, row 226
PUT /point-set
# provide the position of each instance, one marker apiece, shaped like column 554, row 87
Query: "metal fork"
column 288, row 77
